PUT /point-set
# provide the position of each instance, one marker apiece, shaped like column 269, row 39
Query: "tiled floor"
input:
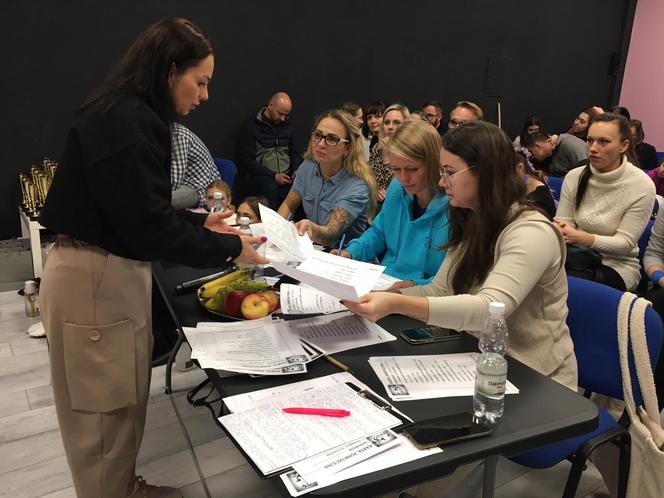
column 182, row 446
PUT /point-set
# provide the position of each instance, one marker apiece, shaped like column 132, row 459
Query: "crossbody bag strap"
column 624, row 308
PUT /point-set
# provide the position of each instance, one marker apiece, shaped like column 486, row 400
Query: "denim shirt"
column 320, row 197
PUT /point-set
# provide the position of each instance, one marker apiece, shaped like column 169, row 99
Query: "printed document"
column 340, row 277
column 404, row 451
column 428, row 376
column 339, row 332
column 275, row 440
column 301, row 300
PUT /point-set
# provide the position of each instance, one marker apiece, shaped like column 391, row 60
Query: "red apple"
column 233, row 303
column 271, row 297
column 255, row 306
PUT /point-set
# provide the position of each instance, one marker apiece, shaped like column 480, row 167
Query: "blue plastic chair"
column 643, row 244
column 227, row 170
column 592, row 316
column 556, row 185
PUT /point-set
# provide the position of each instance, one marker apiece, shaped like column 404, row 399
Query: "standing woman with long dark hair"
column 110, row 203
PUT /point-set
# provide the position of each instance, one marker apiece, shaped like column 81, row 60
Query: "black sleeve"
column 132, row 190
column 650, row 158
column 247, row 154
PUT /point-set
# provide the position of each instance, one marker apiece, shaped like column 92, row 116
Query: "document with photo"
column 428, row 376
column 275, row 440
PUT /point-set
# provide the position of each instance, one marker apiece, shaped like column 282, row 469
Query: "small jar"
column 30, row 295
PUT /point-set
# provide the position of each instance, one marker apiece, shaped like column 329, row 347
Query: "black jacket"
column 266, row 148
column 112, row 189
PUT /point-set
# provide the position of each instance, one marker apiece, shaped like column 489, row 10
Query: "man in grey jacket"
column 566, row 151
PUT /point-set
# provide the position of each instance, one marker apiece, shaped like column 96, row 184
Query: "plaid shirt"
column 191, row 162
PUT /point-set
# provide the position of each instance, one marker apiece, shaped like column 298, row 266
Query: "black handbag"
column 581, row 258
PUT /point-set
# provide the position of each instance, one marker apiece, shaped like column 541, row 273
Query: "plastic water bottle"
column 491, row 373
column 218, row 204
column 246, row 229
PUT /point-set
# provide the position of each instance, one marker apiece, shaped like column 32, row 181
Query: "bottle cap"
column 496, row 308
column 244, row 220
column 30, row 287
column 218, row 196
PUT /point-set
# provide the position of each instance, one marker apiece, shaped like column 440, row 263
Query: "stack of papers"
column 259, row 347
column 279, row 347
column 305, row 300
column 428, row 376
column 340, row 277
column 366, row 454
column 275, row 440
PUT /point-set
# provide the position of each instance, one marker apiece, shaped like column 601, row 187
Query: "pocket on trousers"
column 100, row 365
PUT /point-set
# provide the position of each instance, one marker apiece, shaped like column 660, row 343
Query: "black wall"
column 548, row 58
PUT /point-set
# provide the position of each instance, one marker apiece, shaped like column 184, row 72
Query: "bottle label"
column 492, row 385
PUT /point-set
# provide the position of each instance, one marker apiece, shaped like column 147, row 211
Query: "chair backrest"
column 227, row 170
column 592, row 322
column 556, row 185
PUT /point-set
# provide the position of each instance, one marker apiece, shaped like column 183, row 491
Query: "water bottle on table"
column 491, row 373
column 257, row 270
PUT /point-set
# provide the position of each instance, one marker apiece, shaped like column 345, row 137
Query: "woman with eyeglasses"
column 394, row 116
column 490, row 257
column 333, row 184
column 412, row 225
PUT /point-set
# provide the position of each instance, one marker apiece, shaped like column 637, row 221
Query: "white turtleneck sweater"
column 616, row 209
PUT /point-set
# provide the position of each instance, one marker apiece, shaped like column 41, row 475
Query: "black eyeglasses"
column 331, row 140
column 454, row 123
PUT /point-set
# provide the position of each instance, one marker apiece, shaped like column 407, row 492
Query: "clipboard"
column 396, row 422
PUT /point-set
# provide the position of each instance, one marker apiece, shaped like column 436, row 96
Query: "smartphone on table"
column 427, row 334
column 445, row 430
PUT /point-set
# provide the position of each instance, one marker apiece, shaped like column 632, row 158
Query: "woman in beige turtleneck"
column 606, row 204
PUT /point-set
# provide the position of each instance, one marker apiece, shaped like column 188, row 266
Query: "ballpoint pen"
column 326, row 412
column 337, row 363
column 341, row 243
column 289, row 217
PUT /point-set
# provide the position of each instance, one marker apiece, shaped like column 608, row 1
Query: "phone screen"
column 445, row 430
column 422, row 335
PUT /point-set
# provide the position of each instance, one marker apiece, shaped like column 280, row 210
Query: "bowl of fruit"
column 237, row 297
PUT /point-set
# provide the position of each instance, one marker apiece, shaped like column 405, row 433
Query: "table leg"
column 35, row 249
column 489, row 480
column 168, row 389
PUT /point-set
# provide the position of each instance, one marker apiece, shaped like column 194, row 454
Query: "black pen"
column 185, row 286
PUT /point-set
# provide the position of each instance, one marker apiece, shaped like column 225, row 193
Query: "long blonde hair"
column 419, row 142
column 354, row 161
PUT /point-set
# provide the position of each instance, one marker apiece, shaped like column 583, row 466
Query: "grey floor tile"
column 176, row 470
column 181, row 381
column 202, row 429
column 160, row 414
column 5, row 350
column 194, row 490
column 12, row 403
column 162, row 442
column 31, row 450
column 39, row 397
column 27, row 344
column 22, row 425
column 242, row 482
column 25, row 372
column 64, row 493
column 218, row 456
column 49, row 476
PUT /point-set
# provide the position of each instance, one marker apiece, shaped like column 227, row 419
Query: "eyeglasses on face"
column 432, row 116
column 331, row 140
column 447, row 177
column 454, row 123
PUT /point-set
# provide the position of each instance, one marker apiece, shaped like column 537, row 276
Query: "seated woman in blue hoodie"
column 412, row 225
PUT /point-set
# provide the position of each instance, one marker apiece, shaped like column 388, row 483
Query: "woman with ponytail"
column 606, row 204
column 334, row 184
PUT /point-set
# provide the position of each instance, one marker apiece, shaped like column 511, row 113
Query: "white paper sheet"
column 320, row 467
column 403, row 452
column 250, row 346
column 339, row 332
column 275, row 440
column 385, row 282
column 300, row 300
column 428, row 376
column 283, row 234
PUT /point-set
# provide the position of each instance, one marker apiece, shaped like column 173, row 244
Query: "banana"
column 209, row 290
